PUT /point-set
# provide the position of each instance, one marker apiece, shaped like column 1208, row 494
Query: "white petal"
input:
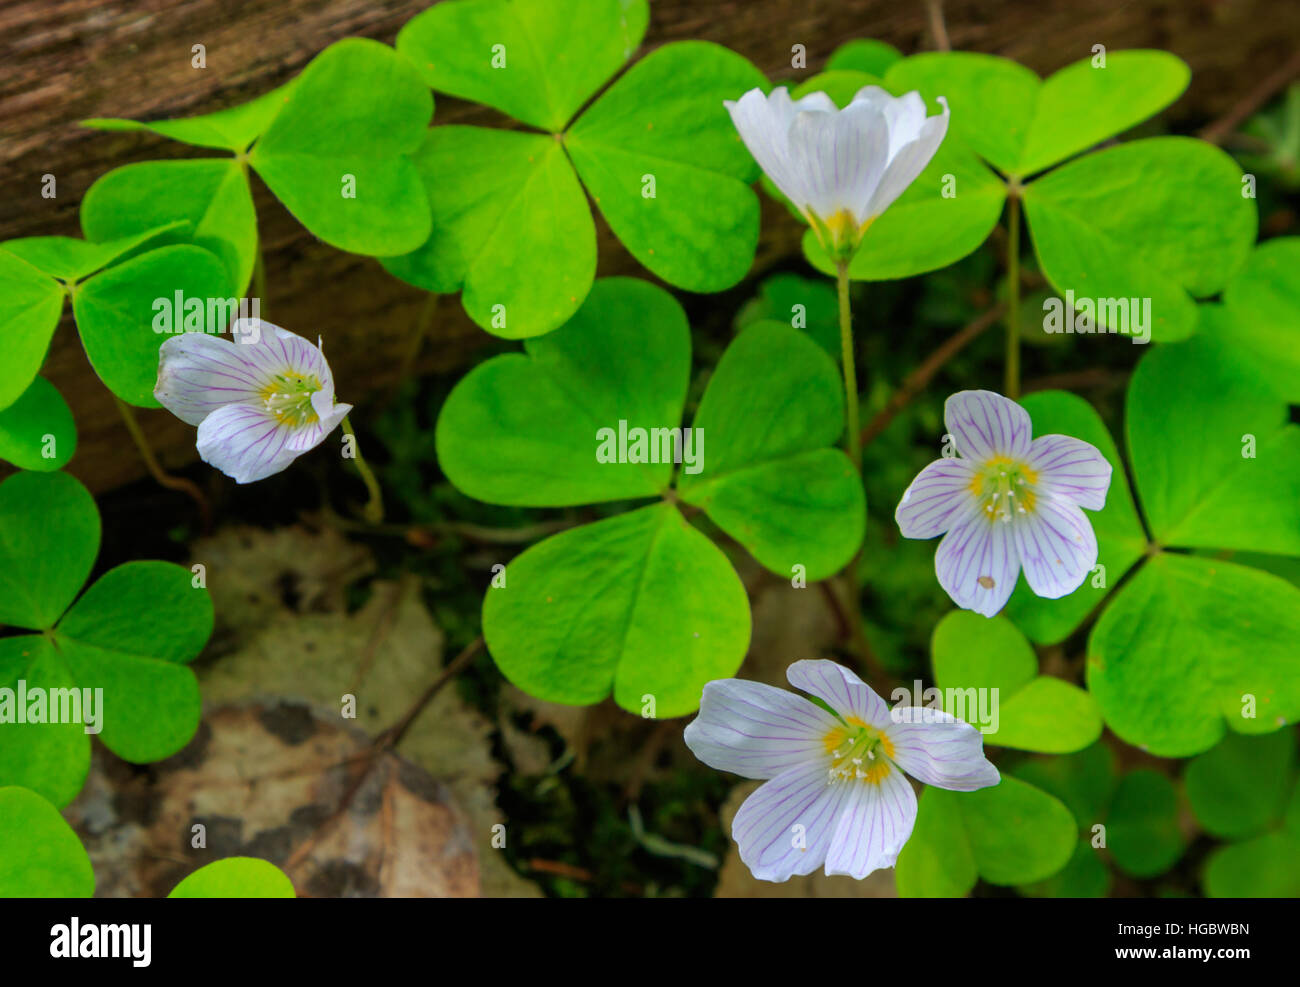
column 977, row 562
column 937, row 493
column 936, row 748
column 786, row 826
column 245, row 442
column 986, row 425
column 1057, row 546
column 841, row 156
column 1071, row 468
column 909, row 159
column 311, row 435
column 906, row 115
column 874, row 823
column 764, row 126
column 758, row 730
column 840, row 689
column 199, row 373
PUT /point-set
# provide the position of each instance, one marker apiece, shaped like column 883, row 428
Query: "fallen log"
column 68, row 60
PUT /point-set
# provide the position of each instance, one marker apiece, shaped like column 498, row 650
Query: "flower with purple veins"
column 841, row 168
column 1005, row 503
column 259, row 403
column 834, row 792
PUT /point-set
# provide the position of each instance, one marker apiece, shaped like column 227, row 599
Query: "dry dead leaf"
column 287, row 784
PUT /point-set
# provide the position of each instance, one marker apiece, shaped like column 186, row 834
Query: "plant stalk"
column 374, row 509
column 1012, row 385
column 852, row 440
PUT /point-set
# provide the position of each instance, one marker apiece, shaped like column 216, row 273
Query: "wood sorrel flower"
column 840, row 168
column 835, row 793
column 1006, row 502
column 259, row 403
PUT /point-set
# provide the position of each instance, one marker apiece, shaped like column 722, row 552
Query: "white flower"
column 840, row 168
column 835, row 792
column 259, row 403
column 1006, row 502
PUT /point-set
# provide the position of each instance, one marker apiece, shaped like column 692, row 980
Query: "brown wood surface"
column 62, row 61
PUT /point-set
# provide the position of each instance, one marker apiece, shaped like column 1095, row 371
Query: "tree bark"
column 67, row 60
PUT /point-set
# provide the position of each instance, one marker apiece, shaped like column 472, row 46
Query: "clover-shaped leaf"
column 522, row 429
column 1099, row 224
column 1012, row 833
column 1085, row 781
column 236, row 877
column 769, row 477
column 643, row 603
column 538, row 61
column 974, row 655
column 1240, row 786
column 1265, row 866
column 1225, row 656
column 211, row 194
column 37, row 431
column 1021, row 124
column 805, row 303
column 1260, row 314
column 1142, row 831
column 30, row 306
column 1215, row 457
column 1134, row 817
column 656, row 151
column 40, row 855
column 111, row 663
column 1120, row 538
column 664, row 123
column 1101, row 228
column 502, row 201
column 338, row 154
column 117, row 313
column 117, row 292
column 232, row 129
column 863, row 55
column 334, row 145
column 1084, row 876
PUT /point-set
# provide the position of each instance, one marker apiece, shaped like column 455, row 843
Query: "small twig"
column 1095, row 377
column 920, row 377
column 937, row 27
column 382, row 744
column 1253, row 100
column 393, row 735
column 856, row 636
column 187, row 487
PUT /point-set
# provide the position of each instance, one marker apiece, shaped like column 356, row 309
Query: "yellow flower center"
column 1004, row 488
column 858, row 753
column 839, row 233
column 288, row 398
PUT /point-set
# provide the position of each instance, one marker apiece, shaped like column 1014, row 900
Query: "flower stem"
column 1012, row 387
column 852, row 440
column 374, row 509
column 156, row 471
